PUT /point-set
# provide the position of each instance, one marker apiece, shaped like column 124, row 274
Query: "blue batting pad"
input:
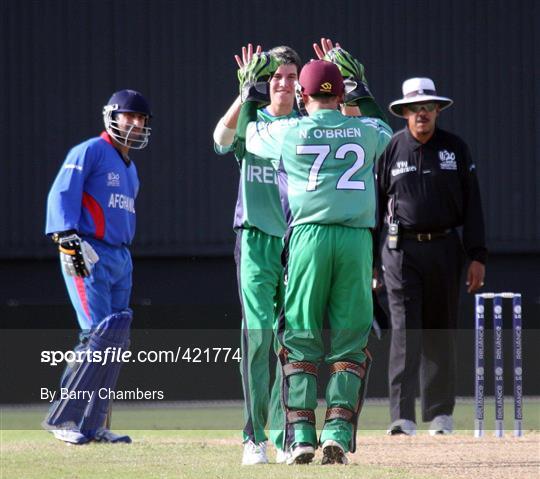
column 83, row 408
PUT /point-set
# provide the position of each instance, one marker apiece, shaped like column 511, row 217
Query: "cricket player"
column 260, row 225
column 325, row 172
column 91, row 218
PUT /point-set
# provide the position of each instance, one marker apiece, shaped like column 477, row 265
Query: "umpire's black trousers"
column 422, row 281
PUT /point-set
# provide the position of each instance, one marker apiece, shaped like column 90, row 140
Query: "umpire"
column 427, row 189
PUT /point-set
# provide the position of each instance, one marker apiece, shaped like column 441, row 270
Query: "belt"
column 421, row 237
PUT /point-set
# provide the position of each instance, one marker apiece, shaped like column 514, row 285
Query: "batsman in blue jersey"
column 91, row 217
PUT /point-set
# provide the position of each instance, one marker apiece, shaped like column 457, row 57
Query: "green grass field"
column 191, row 442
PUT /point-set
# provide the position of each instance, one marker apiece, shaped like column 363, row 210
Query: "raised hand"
column 247, row 55
column 324, row 48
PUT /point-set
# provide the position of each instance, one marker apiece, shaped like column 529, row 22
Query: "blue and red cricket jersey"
column 94, row 193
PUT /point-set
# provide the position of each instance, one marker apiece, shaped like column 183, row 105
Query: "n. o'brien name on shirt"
column 333, row 133
column 94, row 193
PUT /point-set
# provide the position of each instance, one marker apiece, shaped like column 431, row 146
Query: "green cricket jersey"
column 325, row 165
column 258, row 204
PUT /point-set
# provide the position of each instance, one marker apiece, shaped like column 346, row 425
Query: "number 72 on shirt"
column 322, row 152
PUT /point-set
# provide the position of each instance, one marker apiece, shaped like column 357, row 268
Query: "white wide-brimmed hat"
column 417, row 90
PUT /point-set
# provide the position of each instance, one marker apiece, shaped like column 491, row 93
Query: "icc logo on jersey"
column 113, row 179
column 447, row 160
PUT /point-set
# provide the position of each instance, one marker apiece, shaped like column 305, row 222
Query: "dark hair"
column 287, row 56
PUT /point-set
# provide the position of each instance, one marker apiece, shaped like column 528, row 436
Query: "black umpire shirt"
column 432, row 187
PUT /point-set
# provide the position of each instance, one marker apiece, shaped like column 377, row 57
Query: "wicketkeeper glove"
column 352, row 71
column 254, row 77
column 76, row 256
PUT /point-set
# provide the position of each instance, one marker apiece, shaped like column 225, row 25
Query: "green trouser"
column 329, row 272
column 260, row 285
column 277, row 414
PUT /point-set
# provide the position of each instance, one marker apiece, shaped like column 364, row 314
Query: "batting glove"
column 76, row 256
column 254, row 77
column 353, row 73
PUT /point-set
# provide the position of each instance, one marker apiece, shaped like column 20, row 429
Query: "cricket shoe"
column 302, row 453
column 441, row 425
column 67, row 432
column 105, row 435
column 282, row 456
column 254, row 454
column 402, row 426
column 71, row 436
column 333, row 453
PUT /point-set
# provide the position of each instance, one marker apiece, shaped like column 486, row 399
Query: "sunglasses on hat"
column 416, row 107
